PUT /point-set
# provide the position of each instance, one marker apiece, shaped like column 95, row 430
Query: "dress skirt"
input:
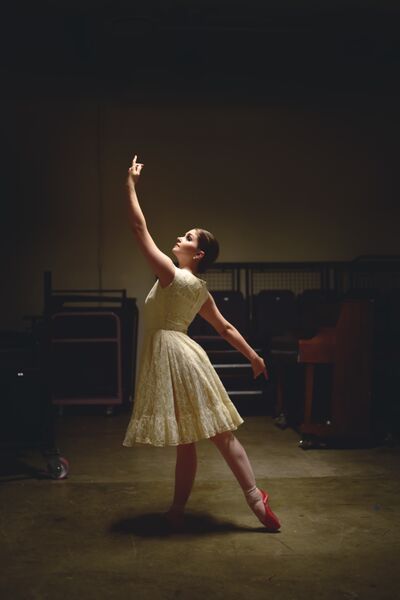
column 179, row 397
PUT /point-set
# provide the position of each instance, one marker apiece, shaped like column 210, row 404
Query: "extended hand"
column 134, row 170
column 258, row 366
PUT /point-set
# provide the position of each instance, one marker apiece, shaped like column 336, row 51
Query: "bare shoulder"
column 166, row 271
column 161, row 264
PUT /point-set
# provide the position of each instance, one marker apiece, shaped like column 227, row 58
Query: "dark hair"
column 209, row 245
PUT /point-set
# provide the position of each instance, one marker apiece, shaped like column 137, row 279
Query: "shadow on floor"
column 156, row 525
column 13, row 468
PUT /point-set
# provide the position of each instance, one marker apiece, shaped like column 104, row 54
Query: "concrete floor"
column 99, row 533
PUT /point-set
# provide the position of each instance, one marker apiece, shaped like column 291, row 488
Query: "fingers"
column 135, row 163
column 136, row 167
column 257, row 373
column 262, row 370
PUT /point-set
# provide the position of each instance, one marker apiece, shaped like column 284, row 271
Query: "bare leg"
column 238, row 461
column 185, row 472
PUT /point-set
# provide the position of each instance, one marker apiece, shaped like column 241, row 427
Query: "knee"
column 222, row 439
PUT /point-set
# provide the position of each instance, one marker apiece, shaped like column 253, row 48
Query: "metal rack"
column 92, row 339
column 75, row 344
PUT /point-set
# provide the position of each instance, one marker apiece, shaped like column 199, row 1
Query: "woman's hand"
column 134, row 171
column 258, row 366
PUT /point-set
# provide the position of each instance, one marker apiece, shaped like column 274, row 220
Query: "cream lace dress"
column 179, row 397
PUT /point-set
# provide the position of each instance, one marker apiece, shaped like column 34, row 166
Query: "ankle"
column 252, row 495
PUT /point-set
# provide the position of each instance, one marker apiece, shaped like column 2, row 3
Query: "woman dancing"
column 179, row 396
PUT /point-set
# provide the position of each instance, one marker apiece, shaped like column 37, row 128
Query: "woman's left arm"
column 212, row 315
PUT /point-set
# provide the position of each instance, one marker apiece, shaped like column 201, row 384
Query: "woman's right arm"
column 161, row 265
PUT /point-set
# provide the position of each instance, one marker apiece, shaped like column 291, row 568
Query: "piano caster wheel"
column 312, row 441
column 305, row 444
column 308, row 442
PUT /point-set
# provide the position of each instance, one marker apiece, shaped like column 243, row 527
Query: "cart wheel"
column 58, row 467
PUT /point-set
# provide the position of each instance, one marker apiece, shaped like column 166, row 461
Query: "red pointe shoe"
column 270, row 520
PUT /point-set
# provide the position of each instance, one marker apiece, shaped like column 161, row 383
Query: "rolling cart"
column 92, row 339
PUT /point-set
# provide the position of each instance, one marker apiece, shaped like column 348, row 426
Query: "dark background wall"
column 276, row 128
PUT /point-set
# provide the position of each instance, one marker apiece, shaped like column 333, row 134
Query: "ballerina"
column 179, row 397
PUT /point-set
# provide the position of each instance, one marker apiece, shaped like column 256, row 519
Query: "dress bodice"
column 175, row 306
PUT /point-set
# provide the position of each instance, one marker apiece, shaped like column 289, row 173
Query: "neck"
column 192, row 267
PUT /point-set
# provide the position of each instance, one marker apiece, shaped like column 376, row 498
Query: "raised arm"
column 161, row 265
column 212, row 315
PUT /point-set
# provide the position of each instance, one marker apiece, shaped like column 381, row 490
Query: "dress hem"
column 179, row 443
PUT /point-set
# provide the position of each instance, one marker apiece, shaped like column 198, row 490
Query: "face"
column 186, row 246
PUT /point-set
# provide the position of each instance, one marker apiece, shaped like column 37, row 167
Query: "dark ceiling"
column 219, row 44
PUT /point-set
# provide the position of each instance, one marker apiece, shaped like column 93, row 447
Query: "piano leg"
column 314, row 434
column 308, row 440
column 280, row 416
column 309, row 394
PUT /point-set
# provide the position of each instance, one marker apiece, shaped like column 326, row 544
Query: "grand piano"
column 345, row 350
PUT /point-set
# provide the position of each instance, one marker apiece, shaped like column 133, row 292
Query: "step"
column 240, row 383
column 226, row 356
column 212, row 342
column 215, row 343
column 241, row 366
column 239, row 393
column 249, row 402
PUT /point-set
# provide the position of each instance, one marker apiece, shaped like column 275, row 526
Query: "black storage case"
column 26, row 411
